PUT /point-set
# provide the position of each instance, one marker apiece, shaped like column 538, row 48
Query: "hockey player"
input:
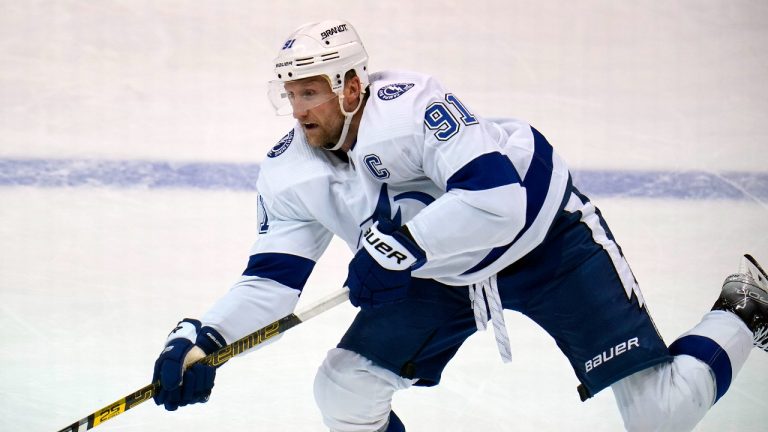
column 453, row 218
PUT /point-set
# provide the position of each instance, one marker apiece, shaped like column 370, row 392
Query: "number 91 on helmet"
column 329, row 49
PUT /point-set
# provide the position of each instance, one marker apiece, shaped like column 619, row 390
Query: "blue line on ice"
column 47, row 173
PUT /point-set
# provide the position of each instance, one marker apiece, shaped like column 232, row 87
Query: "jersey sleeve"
column 290, row 242
column 485, row 204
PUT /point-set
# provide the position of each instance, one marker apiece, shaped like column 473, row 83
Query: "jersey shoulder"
column 397, row 103
column 291, row 163
column 403, row 91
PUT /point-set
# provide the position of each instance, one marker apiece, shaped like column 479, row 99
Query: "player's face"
column 317, row 109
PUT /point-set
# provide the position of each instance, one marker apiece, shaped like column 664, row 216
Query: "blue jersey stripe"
column 484, row 172
column 289, row 270
column 537, row 179
column 422, row 197
column 536, row 184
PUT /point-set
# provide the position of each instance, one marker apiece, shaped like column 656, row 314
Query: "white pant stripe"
column 590, row 218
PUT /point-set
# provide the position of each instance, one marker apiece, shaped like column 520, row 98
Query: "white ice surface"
column 91, row 280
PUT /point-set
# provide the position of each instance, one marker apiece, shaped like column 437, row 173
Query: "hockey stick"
column 215, row 359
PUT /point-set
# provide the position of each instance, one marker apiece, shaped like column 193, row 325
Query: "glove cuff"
column 393, row 250
column 404, row 236
column 210, row 340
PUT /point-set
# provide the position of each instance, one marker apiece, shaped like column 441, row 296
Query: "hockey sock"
column 722, row 341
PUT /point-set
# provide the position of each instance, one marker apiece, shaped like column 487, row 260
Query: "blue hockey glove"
column 182, row 382
column 380, row 272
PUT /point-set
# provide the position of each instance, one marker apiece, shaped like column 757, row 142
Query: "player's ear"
column 352, row 91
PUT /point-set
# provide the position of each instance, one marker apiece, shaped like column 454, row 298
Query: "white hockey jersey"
column 421, row 158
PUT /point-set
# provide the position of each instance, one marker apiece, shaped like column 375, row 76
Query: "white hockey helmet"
column 327, row 48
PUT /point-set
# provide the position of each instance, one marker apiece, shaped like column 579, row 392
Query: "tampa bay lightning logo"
column 393, row 91
column 383, row 208
column 281, row 146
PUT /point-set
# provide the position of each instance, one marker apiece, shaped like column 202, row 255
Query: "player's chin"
column 315, row 141
column 318, row 138
column 314, row 136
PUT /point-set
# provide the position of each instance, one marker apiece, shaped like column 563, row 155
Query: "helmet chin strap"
column 347, row 120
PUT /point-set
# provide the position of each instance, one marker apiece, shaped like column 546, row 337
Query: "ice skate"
column 746, row 295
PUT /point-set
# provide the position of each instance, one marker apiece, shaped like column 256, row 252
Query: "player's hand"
column 380, row 272
column 182, row 381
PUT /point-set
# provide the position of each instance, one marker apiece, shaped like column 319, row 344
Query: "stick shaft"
column 214, row 359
